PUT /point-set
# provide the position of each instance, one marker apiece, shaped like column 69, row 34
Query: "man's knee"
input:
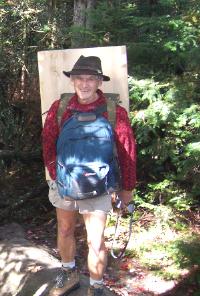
column 66, row 223
column 65, row 230
column 96, row 245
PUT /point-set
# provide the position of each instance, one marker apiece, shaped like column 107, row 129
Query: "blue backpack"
column 86, row 163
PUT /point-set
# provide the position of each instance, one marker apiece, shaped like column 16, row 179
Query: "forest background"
column 163, row 49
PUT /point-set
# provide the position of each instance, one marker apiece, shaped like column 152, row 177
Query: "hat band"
column 84, row 71
column 99, row 71
column 87, row 72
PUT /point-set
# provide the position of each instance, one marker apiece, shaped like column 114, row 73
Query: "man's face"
column 86, row 86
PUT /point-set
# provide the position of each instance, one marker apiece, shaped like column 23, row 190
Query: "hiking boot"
column 66, row 281
column 96, row 290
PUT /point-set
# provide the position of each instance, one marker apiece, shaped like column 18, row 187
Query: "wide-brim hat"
column 87, row 65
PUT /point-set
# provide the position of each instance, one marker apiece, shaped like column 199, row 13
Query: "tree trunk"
column 88, row 22
column 81, row 21
column 24, row 156
column 79, row 12
column 52, row 22
column 23, row 77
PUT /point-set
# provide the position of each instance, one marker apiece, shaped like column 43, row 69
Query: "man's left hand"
column 125, row 196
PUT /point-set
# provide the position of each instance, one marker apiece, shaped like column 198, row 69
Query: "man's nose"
column 85, row 82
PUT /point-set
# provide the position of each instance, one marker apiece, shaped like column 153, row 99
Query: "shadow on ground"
column 26, row 269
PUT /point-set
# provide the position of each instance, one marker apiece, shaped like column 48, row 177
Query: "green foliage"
column 11, row 127
column 166, row 119
column 110, row 23
column 162, row 40
column 169, row 259
column 166, row 247
column 26, row 27
column 157, row 36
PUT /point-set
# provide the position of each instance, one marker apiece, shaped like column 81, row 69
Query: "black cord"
column 130, row 209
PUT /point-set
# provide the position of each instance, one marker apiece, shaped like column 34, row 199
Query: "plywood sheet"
column 53, row 82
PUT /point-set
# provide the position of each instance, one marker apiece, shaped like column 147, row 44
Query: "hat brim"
column 86, row 72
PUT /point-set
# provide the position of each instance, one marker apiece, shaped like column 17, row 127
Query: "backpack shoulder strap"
column 113, row 97
column 64, row 100
column 111, row 100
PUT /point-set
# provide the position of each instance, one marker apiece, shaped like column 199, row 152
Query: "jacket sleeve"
column 126, row 149
column 49, row 138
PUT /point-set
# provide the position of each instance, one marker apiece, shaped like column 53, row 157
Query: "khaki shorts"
column 100, row 203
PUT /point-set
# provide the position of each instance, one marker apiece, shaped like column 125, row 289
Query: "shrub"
column 166, row 120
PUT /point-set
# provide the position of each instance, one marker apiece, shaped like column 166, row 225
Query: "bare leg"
column 97, row 256
column 65, row 239
column 68, row 279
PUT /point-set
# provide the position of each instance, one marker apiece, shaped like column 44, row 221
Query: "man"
column 86, row 77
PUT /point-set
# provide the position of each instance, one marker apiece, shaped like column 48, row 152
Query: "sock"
column 68, row 264
column 93, row 282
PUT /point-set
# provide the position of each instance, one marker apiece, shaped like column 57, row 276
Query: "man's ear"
column 100, row 82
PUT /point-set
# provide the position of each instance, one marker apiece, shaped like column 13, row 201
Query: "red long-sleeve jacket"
column 124, row 138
